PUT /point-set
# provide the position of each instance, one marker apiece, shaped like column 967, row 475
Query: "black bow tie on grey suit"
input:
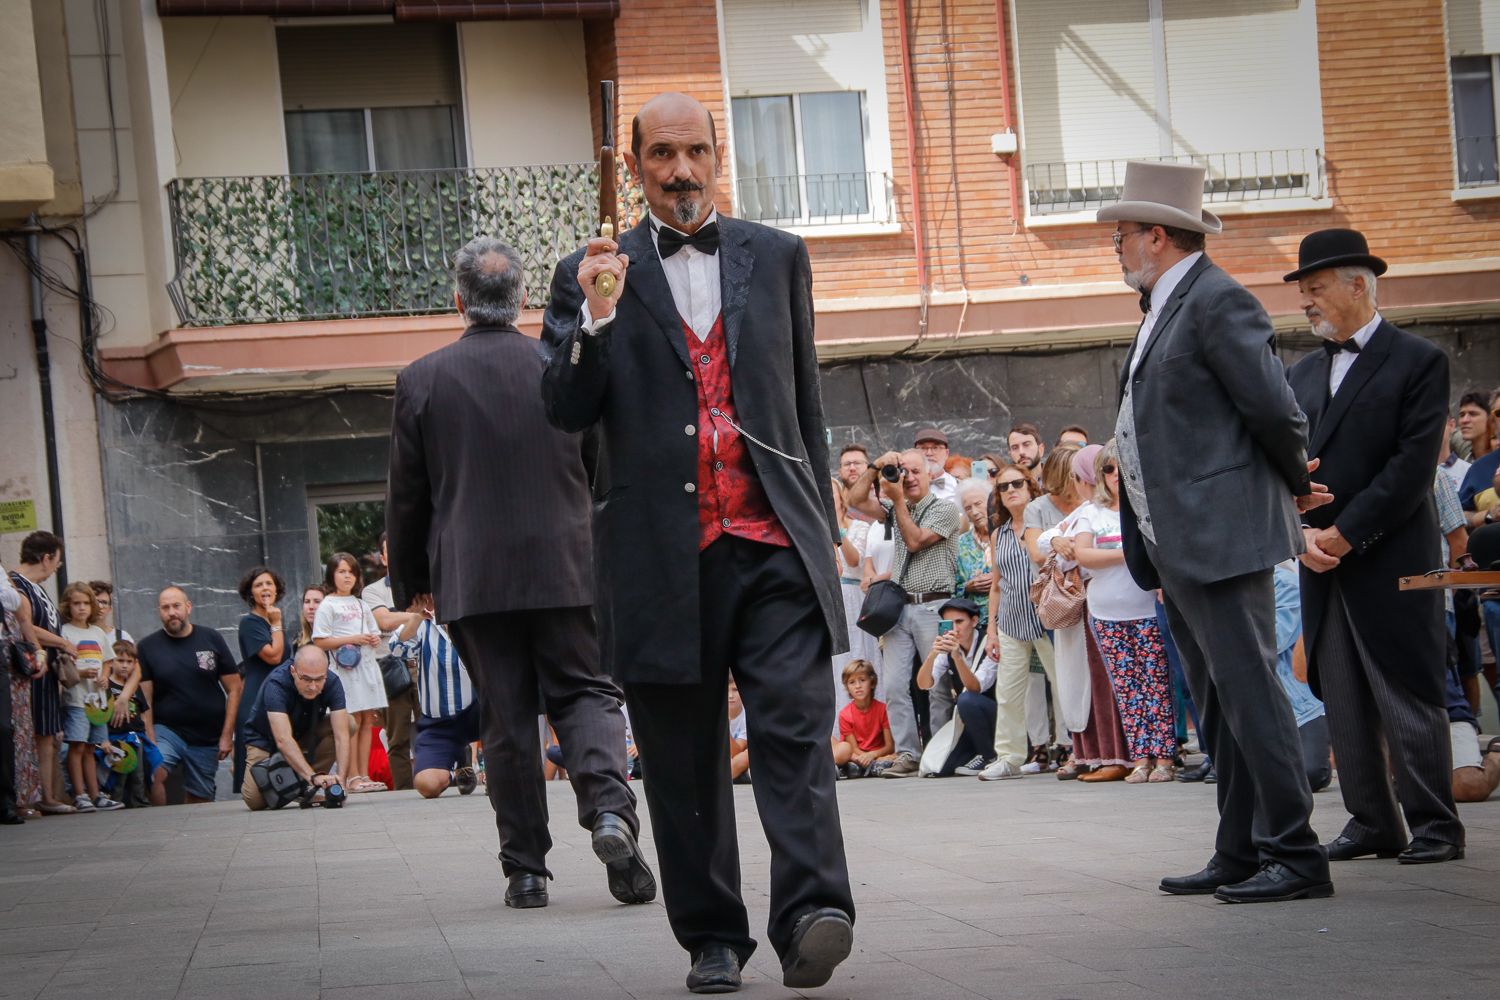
column 1334, row 346
column 1145, row 302
column 705, row 240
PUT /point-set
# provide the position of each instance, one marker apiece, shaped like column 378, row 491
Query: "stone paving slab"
column 1023, row 889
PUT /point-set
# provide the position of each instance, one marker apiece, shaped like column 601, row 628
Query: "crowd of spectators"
column 970, row 681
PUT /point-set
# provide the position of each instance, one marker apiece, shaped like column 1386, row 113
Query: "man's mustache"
column 681, row 187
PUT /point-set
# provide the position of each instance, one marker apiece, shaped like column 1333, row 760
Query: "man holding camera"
column 925, row 564
column 292, row 701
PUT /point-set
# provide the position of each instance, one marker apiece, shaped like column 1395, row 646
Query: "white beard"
column 685, row 210
column 1324, row 329
column 1141, row 280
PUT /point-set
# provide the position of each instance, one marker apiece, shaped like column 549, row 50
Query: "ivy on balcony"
column 328, row 246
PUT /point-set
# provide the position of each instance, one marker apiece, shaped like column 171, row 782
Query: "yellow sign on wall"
column 17, row 516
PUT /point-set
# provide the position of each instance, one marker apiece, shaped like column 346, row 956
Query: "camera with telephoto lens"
column 892, row 473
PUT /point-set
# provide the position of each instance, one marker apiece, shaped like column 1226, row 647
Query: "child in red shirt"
column 864, row 729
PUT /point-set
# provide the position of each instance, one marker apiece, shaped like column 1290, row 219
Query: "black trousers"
column 516, row 659
column 760, row 619
column 1226, row 636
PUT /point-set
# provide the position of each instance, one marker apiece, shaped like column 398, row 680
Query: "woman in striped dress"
column 1015, row 630
column 41, row 555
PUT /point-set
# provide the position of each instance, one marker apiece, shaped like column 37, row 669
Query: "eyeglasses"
column 1119, row 238
column 1006, row 484
column 1108, row 469
column 309, row 680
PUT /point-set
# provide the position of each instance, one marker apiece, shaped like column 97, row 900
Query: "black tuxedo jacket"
column 635, row 381
column 1378, row 440
column 487, row 507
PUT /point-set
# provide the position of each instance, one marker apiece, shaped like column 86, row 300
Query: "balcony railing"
column 798, row 200
column 324, row 246
column 1263, row 175
column 1478, row 165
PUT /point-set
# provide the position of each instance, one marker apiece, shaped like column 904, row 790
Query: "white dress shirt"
column 1344, row 360
column 693, row 277
column 1160, row 292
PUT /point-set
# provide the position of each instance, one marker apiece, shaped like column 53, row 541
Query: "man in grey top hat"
column 1213, row 456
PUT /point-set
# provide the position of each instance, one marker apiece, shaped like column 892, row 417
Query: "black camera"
column 892, row 473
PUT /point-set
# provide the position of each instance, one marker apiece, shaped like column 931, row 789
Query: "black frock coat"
column 1378, row 440
column 635, row 381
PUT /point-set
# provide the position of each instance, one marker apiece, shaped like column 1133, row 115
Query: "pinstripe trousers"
column 1368, row 715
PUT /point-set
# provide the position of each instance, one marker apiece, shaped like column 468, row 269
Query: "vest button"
column 725, row 522
column 718, row 466
column 705, row 359
column 690, row 430
column 689, row 488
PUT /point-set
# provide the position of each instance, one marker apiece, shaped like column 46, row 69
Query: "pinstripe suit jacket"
column 487, row 506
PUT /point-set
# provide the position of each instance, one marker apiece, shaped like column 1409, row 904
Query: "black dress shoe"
column 820, row 941
column 1425, row 851
column 1342, row 848
column 11, row 818
column 526, row 891
column 715, row 970
column 630, row 878
column 1198, row 772
column 1206, row 882
column 1274, row 883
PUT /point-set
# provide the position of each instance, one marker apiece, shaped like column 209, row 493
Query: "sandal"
column 361, row 783
column 1493, row 746
column 1160, row 773
column 54, row 808
column 1138, row 776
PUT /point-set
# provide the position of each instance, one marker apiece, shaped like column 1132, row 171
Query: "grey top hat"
column 1163, row 194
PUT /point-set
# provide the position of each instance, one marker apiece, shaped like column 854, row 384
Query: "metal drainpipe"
column 1006, row 116
column 44, row 380
column 908, row 89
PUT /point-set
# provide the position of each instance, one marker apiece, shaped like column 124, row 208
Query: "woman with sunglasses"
column 1015, row 629
column 1123, row 619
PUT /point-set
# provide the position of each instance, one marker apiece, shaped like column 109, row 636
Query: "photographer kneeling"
column 291, row 702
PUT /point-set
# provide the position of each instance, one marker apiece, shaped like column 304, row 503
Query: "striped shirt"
column 1016, row 616
column 443, row 685
column 933, row 568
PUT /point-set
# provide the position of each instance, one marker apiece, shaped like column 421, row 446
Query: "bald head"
column 667, row 108
column 310, row 659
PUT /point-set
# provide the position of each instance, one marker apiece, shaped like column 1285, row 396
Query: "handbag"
column 396, row 674
column 1058, row 595
column 885, row 600
column 347, row 656
column 15, row 652
column 67, row 669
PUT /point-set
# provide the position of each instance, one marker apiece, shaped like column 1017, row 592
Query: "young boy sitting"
column 864, row 729
column 739, row 738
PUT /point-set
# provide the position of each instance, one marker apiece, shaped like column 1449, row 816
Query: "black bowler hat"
column 1334, row 248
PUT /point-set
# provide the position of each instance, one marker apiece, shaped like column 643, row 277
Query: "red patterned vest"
column 731, row 500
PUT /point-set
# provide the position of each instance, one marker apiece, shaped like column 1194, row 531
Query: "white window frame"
column 875, row 123
column 1156, row 15
column 1477, row 192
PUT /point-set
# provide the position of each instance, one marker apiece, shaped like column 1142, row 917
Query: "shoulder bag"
column 1058, row 595
column 885, row 600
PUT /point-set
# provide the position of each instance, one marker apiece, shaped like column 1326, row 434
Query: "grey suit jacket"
column 1223, row 444
column 635, row 382
column 487, row 504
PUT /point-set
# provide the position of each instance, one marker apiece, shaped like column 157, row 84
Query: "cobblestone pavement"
column 1021, row 889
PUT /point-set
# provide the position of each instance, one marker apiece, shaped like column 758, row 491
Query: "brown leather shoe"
column 1109, row 772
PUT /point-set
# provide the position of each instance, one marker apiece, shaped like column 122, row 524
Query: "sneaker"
column 852, row 770
column 1031, row 767
column 104, row 803
column 903, row 766
column 974, row 767
column 1000, row 770
column 465, row 780
column 82, row 804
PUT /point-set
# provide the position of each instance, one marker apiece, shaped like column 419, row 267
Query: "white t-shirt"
column 378, row 595
column 95, row 649
column 880, row 550
column 737, row 730
column 985, row 670
column 342, row 617
column 1112, row 594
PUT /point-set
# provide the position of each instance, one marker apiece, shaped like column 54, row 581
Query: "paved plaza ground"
column 1023, row 889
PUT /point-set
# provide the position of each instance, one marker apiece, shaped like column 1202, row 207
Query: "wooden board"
column 1449, row 579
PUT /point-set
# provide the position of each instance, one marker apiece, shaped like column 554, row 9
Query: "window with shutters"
column 808, row 118
column 1232, row 85
column 364, row 98
column 1474, row 54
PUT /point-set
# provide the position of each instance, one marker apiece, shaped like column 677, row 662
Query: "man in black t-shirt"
column 193, row 685
column 291, row 703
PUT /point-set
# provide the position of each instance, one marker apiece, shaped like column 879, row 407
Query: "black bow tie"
column 1334, row 346
column 705, row 240
column 1145, row 302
